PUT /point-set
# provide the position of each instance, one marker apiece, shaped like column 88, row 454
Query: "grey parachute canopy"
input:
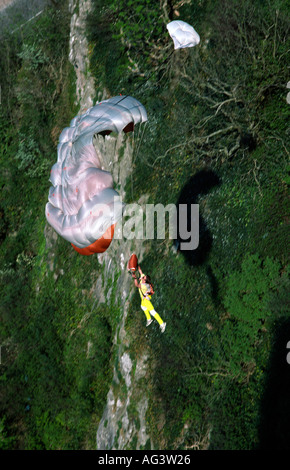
column 83, row 207
column 183, row 34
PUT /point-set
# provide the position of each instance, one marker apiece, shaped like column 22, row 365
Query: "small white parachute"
column 183, row 34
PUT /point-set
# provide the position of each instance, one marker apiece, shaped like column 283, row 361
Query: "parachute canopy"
column 183, row 34
column 82, row 205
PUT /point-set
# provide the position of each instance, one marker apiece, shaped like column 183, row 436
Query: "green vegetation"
column 54, row 372
column 216, row 136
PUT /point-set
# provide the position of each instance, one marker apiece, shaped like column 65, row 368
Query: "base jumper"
column 146, row 291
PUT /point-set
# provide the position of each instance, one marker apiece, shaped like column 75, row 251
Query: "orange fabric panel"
column 100, row 245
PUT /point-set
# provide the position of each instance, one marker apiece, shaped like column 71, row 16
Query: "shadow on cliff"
column 199, row 184
column 274, row 430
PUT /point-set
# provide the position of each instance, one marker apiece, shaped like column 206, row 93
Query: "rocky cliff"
column 124, row 416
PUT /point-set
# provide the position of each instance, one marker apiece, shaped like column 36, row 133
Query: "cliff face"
column 119, row 427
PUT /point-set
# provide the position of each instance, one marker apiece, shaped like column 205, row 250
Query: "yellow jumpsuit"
column 146, row 304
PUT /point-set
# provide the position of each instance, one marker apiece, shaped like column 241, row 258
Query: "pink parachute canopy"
column 82, row 205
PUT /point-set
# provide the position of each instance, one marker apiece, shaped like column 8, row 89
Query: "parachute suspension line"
column 135, row 142
column 131, row 175
column 136, row 147
column 139, row 140
column 132, row 192
column 134, row 154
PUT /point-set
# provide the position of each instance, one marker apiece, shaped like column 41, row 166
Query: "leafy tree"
column 141, row 30
column 248, row 292
column 6, row 442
